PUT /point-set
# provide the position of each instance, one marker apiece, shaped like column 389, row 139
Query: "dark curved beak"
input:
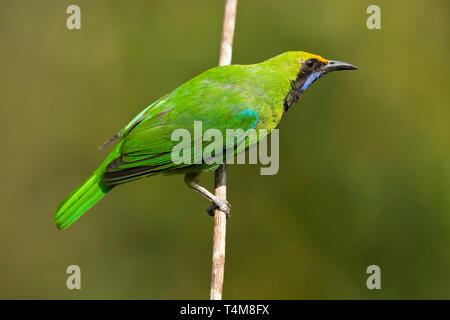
column 334, row 65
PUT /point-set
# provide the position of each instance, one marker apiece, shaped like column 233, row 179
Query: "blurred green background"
column 364, row 156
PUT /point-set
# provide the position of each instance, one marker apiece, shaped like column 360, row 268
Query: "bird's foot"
column 219, row 204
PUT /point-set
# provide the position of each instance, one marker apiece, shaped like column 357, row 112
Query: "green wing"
column 216, row 98
column 147, row 148
column 146, row 144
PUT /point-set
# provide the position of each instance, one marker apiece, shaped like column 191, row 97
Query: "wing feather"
column 147, row 145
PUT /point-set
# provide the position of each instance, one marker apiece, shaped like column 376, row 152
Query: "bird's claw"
column 219, row 204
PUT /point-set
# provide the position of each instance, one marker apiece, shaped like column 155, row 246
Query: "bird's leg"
column 191, row 179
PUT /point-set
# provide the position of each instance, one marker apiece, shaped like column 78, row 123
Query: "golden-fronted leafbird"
column 243, row 97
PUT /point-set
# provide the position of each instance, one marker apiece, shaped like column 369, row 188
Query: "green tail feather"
column 85, row 196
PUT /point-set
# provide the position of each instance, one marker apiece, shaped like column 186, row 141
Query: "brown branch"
column 220, row 219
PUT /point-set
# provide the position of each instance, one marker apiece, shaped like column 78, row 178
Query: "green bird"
column 243, row 97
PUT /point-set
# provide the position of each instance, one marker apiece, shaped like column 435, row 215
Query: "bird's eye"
column 310, row 63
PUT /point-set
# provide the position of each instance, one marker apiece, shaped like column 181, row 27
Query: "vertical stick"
column 220, row 219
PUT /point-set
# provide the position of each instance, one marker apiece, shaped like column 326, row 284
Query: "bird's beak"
column 334, row 65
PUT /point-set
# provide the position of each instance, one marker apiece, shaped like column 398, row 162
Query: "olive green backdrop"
column 364, row 156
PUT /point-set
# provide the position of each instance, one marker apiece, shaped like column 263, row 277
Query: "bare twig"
column 220, row 220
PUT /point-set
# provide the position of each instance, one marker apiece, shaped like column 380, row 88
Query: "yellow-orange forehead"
column 297, row 57
column 314, row 56
column 306, row 55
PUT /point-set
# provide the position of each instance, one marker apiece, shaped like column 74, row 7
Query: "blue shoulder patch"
column 249, row 113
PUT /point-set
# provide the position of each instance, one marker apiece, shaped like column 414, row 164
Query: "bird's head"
column 302, row 69
column 305, row 68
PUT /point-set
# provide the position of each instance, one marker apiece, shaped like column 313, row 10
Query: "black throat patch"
column 297, row 86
